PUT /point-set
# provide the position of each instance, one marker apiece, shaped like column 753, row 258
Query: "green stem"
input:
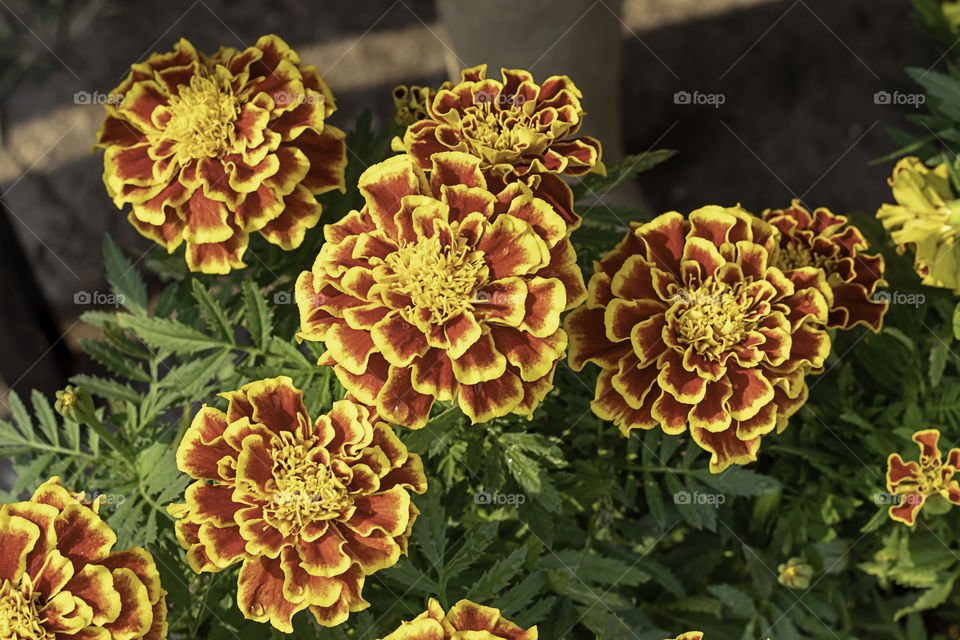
column 94, row 423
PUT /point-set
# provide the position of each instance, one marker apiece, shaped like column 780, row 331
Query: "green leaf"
column 519, row 596
column 431, row 525
column 126, row 281
column 929, row 599
column 169, row 334
column 621, row 170
column 738, row 601
column 497, row 577
column 213, row 316
column 654, row 499
column 938, row 361
column 478, row 538
column 112, row 359
column 532, row 478
column 257, row 314
column 107, row 388
column 740, row 482
column 45, row 417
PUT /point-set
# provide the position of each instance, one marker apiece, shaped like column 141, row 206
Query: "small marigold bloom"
column 916, row 482
column 464, row 620
column 208, row 150
column 60, row 577
column 690, row 635
column 442, row 290
column 824, row 240
column 309, row 509
column 411, row 103
column 795, row 573
column 520, row 131
column 925, row 220
column 693, row 326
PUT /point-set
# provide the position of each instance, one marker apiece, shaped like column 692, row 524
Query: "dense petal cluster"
column 60, row 578
column 913, row 483
column 464, row 620
column 925, row 219
column 308, row 509
column 208, row 150
column 520, row 131
column 825, row 240
column 442, row 290
column 692, row 325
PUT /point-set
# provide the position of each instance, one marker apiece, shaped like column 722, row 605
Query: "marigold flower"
column 925, row 219
column 691, row 324
column 824, row 240
column 309, row 509
column 442, row 290
column 210, row 149
column 690, row 635
column 915, row 482
column 464, row 620
column 411, row 103
column 60, row 577
column 519, row 130
column 795, row 573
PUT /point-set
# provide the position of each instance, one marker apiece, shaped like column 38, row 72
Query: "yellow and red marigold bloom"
column 693, row 326
column 925, row 220
column 442, row 290
column 824, row 240
column 464, row 620
column 309, row 509
column 521, row 131
column 208, row 150
column 60, row 577
column 690, row 635
column 916, row 482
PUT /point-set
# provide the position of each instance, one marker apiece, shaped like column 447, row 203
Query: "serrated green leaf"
column 124, row 278
column 107, row 388
column 45, row 417
column 735, row 599
column 478, row 538
column 112, row 359
column 257, row 313
column 169, row 334
column 213, row 315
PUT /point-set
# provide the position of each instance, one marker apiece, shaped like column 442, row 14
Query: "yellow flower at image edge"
column 440, row 289
column 693, row 327
column 60, row 577
column 208, row 150
column 308, row 509
column 925, row 220
column 464, row 620
column 914, row 483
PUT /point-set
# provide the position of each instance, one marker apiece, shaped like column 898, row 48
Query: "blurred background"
column 765, row 100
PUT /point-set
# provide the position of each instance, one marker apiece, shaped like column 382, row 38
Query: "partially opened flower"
column 520, row 131
column 60, row 577
column 925, row 220
column 825, row 240
column 795, row 573
column 693, row 326
column 308, row 509
column 410, row 103
column 465, row 620
column 914, row 483
column 208, row 150
column 442, row 290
